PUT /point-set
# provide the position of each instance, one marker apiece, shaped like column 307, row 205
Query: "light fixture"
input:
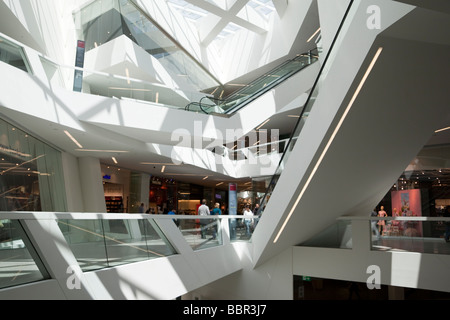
column 114, row 159
column 310, row 38
column 163, row 169
column 325, row 150
column 263, row 124
column 220, row 183
column 443, row 129
column 205, row 177
column 159, row 164
column 98, row 150
column 127, row 72
column 132, row 89
column 73, row 139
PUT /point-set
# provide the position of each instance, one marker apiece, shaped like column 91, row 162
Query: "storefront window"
column 423, row 189
column 30, row 173
column 163, row 195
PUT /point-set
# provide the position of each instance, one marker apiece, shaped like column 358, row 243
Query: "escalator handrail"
column 256, row 94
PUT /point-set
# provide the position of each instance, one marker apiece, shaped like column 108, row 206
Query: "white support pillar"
column 92, row 185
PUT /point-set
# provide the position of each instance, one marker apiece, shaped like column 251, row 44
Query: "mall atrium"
column 313, row 113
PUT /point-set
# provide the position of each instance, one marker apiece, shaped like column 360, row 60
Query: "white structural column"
column 91, row 185
column 72, row 184
column 139, row 191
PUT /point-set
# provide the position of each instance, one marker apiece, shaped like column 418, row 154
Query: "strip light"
column 319, row 161
column 443, row 129
column 73, row 139
column 262, row 125
column 317, row 31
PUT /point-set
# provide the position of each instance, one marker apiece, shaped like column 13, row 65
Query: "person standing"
column 174, row 212
column 216, row 212
column 247, row 213
column 203, row 210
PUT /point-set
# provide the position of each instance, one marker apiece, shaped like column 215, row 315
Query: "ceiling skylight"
column 263, row 7
column 189, row 11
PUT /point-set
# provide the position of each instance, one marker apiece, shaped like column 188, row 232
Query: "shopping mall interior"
column 328, row 119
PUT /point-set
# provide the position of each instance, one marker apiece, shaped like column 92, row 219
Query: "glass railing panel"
column 98, row 244
column 124, row 242
column 201, row 233
column 13, row 55
column 87, row 242
column 102, row 21
column 157, row 243
column 16, row 262
column 241, row 229
column 410, row 235
column 267, row 81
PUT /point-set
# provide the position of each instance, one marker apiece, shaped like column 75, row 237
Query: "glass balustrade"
column 251, row 91
column 201, row 233
column 98, row 244
column 241, row 229
column 423, row 235
column 102, row 21
column 19, row 264
column 101, row 243
column 13, row 55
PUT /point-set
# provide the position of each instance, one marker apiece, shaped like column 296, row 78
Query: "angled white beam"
column 280, row 6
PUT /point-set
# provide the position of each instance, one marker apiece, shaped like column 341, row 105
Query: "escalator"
column 250, row 92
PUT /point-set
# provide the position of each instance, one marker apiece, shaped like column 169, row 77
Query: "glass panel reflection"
column 201, row 233
column 31, row 178
column 103, row 21
column 16, row 263
column 13, row 55
column 410, row 235
column 256, row 88
column 98, row 244
column 241, row 229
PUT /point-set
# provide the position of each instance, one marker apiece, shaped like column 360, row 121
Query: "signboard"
column 232, row 199
column 79, row 62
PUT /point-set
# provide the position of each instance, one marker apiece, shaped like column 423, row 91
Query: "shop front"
column 31, row 173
